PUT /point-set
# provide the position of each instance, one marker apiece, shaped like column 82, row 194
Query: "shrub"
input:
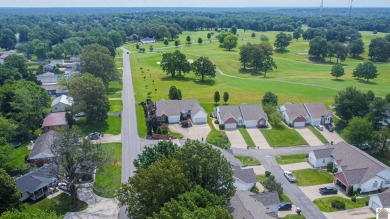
column 216, row 121
column 267, row 173
column 334, row 170
column 366, row 203
column 254, row 189
column 329, row 167
column 353, row 199
column 350, row 192
column 271, row 177
column 222, row 126
column 337, row 204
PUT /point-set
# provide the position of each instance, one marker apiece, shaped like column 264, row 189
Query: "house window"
column 323, row 161
column 375, row 184
column 387, row 182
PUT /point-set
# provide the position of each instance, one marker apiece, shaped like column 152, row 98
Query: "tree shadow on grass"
column 177, row 78
column 337, row 80
column 282, row 51
column 366, row 82
column 208, row 82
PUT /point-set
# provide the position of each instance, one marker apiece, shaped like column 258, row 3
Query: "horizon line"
column 3, row 7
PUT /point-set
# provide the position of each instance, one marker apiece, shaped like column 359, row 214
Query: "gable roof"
column 295, row 110
column 227, row 112
column 323, row 153
column 49, row 87
column 229, row 156
column 242, row 205
column 54, row 119
column 63, row 99
column 384, row 197
column 252, row 112
column 37, row 179
column 175, row 107
column 245, row 175
column 267, row 198
column 316, row 110
column 42, row 145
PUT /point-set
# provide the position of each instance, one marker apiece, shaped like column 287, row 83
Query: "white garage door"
column 374, row 206
column 174, row 119
column 251, row 123
column 200, row 120
column 230, row 126
column 299, row 124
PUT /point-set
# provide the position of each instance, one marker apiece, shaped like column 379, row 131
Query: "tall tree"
column 175, row 63
column 379, row 50
column 358, row 131
column 7, row 128
column 230, row 42
column 97, row 60
column 163, row 149
column 318, row 48
column 200, row 41
column 351, row 102
column 71, row 47
column 341, row 51
column 89, row 96
column 116, row 38
column 225, row 97
column 270, row 98
column 19, row 63
column 23, row 30
column 246, row 54
column 378, row 112
column 204, row 67
column 337, row 71
column 174, row 93
column 77, row 158
column 296, row 34
column 268, row 64
column 217, row 97
column 356, row 47
column 282, row 41
column 209, row 36
column 366, row 70
column 188, row 40
column 9, row 194
column 7, row 39
column 233, row 29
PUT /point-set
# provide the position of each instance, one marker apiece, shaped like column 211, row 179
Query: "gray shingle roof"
column 227, row 112
column 246, row 175
column 228, row 154
column 175, row 107
column 316, row 110
column 295, row 110
column 37, row 179
column 253, row 112
column 63, row 99
column 322, row 153
column 55, row 119
column 385, row 198
column 42, row 145
column 267, row 198
column 242, row 205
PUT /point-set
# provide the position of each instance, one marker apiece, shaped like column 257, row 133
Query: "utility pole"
column 321, row 7
column 350, row 9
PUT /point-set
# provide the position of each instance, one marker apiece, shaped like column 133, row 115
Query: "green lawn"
column 324, row 204
column 115, row 105
column 17, row 162
column 59, row 204
column 318, row 134
column 247, row 137
column 291, row 158
column 114, row 95
column 217, row 137
column 260, row 178
column 311, row 177
column 285, row 198
column 294, row 216
column 108, row 179
column 141, row 121
column 115, row 86
column 248, row 160
column 282, row 136
column 111, row 126
column 175, row 134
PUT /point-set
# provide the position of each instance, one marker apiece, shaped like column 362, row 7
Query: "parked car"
column 94, row 136
column 320, row 127
column 364, row 146
column 329, row 127
column 284, row 206
column 81, row 114
column 290, row 177
column 327, row 190
column 64, row 186
column 16, row 144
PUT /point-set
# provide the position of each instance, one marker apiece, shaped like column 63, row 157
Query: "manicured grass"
column 291, row 158
column 217, row 137
column 59, row 204
column 18, row 155
column 114, row 95
column 260, row 178
column 141, row 121
column 111, row 126
column 248, row 160
column 115, row 105
column 175, row 134
column 108, row 178
column 294, row 216
column 115, row 86
column 247, row 137
column 318, row 134
column 311, row 177
column 282, row 136
column 285, row 198
column 324, row 204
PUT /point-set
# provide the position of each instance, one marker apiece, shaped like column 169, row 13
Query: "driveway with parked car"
column 313, row 192
column 309, row 136
column 235, row 138
column 258, row 138
column 196, row 132
column 357, row 213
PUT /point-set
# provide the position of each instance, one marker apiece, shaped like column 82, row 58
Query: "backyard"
column 311, row 177
column 324, row 204
column 111, row 126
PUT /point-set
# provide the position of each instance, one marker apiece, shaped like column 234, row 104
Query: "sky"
column 192, row 3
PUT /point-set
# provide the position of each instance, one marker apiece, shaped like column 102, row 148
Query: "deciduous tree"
column 229, row 42
column 174, row 93
column 356, row 47
column 379, row 50
column 200, row 41
column 163, row 149
column 270, row 98
column 282, row 41
column 204, row 67
column 318, row 48
column 351, row 102
column 337, row 71
column 7, row 39
column 358, row 131
column 217, row 97
column 175, row 63
column 366, row 70
column 9, row 194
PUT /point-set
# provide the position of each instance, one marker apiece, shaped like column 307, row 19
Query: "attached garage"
column 230, row 125
column 299, row 122
column 173, row 119
column 250, row 123
column 380, row 200
column 373, row 205
column 200, row 117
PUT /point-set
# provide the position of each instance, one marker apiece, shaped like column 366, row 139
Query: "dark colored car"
column 284, row 206
column 329, row 127
column 327, row 190
column 16, row 144
column 94, row 136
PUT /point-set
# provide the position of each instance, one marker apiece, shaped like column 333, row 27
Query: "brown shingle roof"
column 55, row 119
column 246, row 175
column 42, row 145
column 295, row 110
column 316, row 110
column 242, row 205
column 322, row 153
column 267, row 198
column 385, row 198
column 253, row 112
column 175, row 107
column 227, row 112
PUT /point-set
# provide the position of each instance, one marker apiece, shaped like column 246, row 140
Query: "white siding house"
column 61, row 104
column 175, row 109
column 381, row 200
column 244, row 179
column 299, row 115
column 320, row 158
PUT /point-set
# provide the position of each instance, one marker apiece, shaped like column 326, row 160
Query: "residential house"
column 172, row 111
column 61, row 104
column 147, row 40
column 50, row 67
column 381, row 200
column 299, row 115
column 244, row 179
column 49, row 78
column 243, row 205
column 270, row 201
column 38, row 183
column 41, row 152
column 54, row 121
column 228, row 155
column 55, row 90
column 355, row 168
column 248, row 115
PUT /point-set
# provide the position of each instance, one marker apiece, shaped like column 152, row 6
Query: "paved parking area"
column 196, row 132
column 258, row 138
column 331, row 136
column 357, row 213
column 236, row 139
column 296, row 166
column 312, row 192
column 282, row 214
column 309, row 136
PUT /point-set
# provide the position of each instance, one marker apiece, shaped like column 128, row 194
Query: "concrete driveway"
column 196, row 132
column 259, row 169
column 235, row 138
column 258, row 138
column 312, row 192
column 357, row 213
column 331, row 136
column 296, row 166
column 309, row 136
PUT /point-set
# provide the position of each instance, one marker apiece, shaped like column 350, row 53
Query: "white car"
column 63, row 186
column 290, row 177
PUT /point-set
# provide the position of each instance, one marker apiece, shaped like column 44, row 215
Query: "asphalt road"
column 267, row 158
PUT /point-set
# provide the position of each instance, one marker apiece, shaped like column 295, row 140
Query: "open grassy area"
column 294, row 216
column 260, row 178
column 111, row 126
column 141, row 121
column 114, row 95
column 17, row 161
column 114, row 86
column 291, row 158
column 59, row 204
column 282, row 136
column 115, row 105
column 324, row 204
column 247, row 137
column 217, row 137
column 248, row 160
column 108, row 179
column 318, row 134
column 311, row 177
